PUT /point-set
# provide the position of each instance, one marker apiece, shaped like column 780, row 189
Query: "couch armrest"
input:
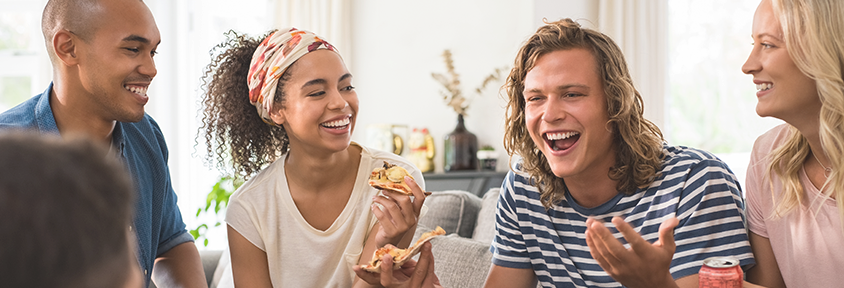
column 209, row 258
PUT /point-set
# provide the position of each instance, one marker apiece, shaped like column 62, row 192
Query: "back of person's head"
column 813, row 31
column 66, row 207
column 232, row 128
column 637, row 141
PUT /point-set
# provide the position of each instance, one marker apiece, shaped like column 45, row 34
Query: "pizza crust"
column 400, row 256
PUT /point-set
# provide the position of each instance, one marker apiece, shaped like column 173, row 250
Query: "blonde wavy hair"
column 637, row 141
column 813, row 32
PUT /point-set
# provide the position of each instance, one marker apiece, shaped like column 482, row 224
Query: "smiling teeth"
column 337, row 123
column 136, row 90
column 560, row 136
column 764, row 86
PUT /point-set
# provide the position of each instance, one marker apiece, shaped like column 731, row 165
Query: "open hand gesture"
column 643, row 264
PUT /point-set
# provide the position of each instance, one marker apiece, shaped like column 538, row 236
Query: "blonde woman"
column 795, row 181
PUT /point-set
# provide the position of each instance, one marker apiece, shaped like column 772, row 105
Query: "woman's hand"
column 411, row 274
column 399, row 214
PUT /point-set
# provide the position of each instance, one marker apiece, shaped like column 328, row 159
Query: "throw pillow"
column 485, row 226
column 454, row 210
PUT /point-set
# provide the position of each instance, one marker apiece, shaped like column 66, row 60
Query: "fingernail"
column 408, row 179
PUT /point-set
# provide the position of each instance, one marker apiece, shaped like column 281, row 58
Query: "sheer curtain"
column 189, row 31
column 328, row 18
column 639, row 27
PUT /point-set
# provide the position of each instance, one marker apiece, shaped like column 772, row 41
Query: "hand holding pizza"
column 412, row 274
column 398, row 213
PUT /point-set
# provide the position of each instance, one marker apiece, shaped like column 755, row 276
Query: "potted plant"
column 488, row 158
column 217, row 199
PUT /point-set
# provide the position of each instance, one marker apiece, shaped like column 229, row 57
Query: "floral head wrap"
column 277, row 52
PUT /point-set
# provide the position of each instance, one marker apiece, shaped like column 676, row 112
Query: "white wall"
column 396, row 45
column 584, row 12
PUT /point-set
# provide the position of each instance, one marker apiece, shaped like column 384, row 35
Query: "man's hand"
column 644, row 264
column 412, row 274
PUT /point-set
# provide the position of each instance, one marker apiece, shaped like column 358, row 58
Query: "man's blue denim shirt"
column 158, row 221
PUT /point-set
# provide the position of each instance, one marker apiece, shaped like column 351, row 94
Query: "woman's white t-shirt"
column 263, row 211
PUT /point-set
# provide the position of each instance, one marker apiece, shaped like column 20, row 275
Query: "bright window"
column 24, row 68
column 711, row 103
column 189, row 30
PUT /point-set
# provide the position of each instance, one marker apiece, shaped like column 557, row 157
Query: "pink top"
column 808, row 243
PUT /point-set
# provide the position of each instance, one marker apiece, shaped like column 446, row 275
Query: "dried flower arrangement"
column 452, row 95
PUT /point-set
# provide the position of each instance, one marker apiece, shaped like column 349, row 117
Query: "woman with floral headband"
column 303, row 218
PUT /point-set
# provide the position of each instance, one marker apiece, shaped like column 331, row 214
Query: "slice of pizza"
column 390, row 177
column 400, row 256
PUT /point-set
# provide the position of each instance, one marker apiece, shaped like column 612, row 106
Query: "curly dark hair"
column 232, row 128
column 637, row 141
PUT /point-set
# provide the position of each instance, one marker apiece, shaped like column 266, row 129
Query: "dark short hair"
column 66, row 206
column 67, row 14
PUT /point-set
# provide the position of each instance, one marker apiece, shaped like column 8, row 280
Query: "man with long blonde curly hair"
column 596, row 197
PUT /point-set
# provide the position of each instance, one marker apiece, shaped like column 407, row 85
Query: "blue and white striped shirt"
column 695, row 186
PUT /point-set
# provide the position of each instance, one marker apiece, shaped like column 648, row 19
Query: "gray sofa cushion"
column 210, row 260
column 485, row 225
column 460, row 262
column 222, row 276
column 456, row 211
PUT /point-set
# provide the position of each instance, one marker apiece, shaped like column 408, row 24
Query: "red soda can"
column 720, row 272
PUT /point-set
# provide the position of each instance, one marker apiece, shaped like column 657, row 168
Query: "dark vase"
column 461, row 147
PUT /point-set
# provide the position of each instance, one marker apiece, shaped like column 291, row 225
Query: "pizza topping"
column 391, row 172
column 396, row 175
column 390, row 177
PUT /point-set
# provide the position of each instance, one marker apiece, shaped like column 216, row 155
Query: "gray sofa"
column 210, row 262
column 461, row 258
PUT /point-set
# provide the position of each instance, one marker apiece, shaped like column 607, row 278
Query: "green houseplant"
column 216, row 201
column 488, row 158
